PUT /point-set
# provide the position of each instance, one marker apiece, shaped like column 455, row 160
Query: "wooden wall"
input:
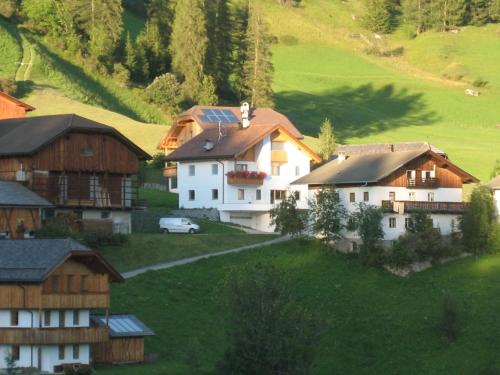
column 119, row 350
column 447, row 178
column 10, row 217
column 48, row 336
column 17, row 297
column 10, row 110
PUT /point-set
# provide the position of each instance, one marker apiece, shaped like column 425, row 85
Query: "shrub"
column 97, row 240
column 54, row 228
column 158, row 161
column 121, row 75
column 479, row 82
column 287, row 218
column 8, row 85
column 368, row 222
column 84, row 370
column 399, row 255
column 165, row 91
column 449, row 325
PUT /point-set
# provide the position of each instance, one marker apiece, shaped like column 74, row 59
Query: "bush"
column 97, row 240
column 54, row 228
column 158, row 161
column 449, row 325
column 479, row 82
column 368, row 222
column 121, row 75
column 165, row 91
column 8, row 85
column 84, row 370
column 399, row 255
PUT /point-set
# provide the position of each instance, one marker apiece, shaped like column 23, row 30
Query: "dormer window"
column 86, row 152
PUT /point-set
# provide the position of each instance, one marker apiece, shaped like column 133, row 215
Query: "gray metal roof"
column 31, row 260
column 376, row 148
column 25, row 136
column 123, row 325
column 14, row 194
column 359, row 169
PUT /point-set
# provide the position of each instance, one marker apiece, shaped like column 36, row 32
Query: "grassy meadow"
column 375, row 323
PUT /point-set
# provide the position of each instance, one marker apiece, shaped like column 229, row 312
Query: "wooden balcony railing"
column 234, row 180
column 431, row 207
column 170, row 171
column 76, row 301
column 41, row 336
column 422, row 183
column 279, row 156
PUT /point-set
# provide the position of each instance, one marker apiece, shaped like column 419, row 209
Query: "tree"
column 326, row 140
column 479, row 12
column 478, row 222
column 207, row 94
column 418, row 13
column 270, row 332
column 453, row 13
column 135, row 61
column 239, row 43
column 188, row 46
column 379, row 16
column 327, row 215
column 287, row 218
column 368, row 222
column 8, row 8
column 495, row 10
column 256, row 82
column 165, row 91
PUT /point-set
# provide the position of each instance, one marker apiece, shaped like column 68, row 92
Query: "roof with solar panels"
column 122, row 325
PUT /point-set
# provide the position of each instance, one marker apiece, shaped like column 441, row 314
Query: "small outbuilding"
column 126, row 344
column 11, row 107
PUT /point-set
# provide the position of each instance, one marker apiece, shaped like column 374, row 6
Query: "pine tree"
column 453, row 13
column 135, row 61
column 379, row 16
column 239, row 43
column 258, row 69
column 495, row 10
column 418, row 13
column 219, row 58
column 188, row 46
column 479, row 12
column 326, row 140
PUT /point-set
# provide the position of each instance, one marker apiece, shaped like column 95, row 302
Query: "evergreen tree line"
column 208, row 50
column 382, row 16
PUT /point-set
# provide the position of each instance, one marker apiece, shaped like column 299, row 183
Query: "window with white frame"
column 192, row 195
column 275, row 169
column 392, row 195
column 241, row 167
column 408, row 222
column 215, row 169
column 241, row 194
column 215, row 194
column 366, row 196
column 392, row 222
column 296, row 195
column 352, row 197
column 412, row 196
column 430, row 196
column 258, row 194
column 192, row 170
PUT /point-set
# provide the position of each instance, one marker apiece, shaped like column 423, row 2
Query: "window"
column 411, row 196
column 105, row 214
column 46, row 318
column 354, row 246
column 241, row 194
column 241, row 167
column 86, row 152
column 392, row 222
column 258, row 194
column 55, row 284
column 366, row 196
column 192, row 195
column 76, row 317
column 426, row 175
column 215, row 169
column 392, row 195
column 69, row 283
column 62, row 318
column 76, row 351
column 215, row 194
column 14, row 318
column 14, row 352
column 409, row 175
column 297, row 170
column 277, row 195
column 408, row 222
column 83, row 283
column 173, row 182
column 296, row 195
column 192, row 170
column 275, row 169
column 61, row 351
column 352, row 197
column 430, row 196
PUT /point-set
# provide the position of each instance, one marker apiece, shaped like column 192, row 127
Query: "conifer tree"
column 479, row 12
column 188, row 46
column 379, row 16
column 239, row 43
column 495, row 10
column 135, row 61
column 258, row 69
column 326, row 140
column 418, row 13
column 453, row 13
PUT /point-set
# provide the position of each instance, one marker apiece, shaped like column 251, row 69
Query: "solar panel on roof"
column 122, row 325
column 218, row 115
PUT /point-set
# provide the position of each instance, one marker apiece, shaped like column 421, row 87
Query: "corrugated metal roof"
column 13, row 194
column 122, row 325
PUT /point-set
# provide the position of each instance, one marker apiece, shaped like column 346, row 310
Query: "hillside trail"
column 24, row 70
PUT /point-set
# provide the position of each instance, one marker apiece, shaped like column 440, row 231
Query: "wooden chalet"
column 11, row 107
column 82, row 167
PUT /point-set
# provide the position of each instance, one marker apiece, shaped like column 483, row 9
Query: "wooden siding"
column 14, row 296
column 48, row 336
column 446, row 177
column 8, row 109
column 96, row 283
column 11, row 217
column 119, row 350
column 279, row 156
column 245, row 181
column 248, row 155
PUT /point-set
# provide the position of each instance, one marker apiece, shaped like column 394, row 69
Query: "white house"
column 495, row 186
column 401, row 178
column 241, row 165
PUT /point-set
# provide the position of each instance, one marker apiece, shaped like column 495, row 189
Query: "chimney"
column 245, row 115
column 341, row 156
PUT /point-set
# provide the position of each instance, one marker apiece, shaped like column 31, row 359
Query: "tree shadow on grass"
column 356, row 111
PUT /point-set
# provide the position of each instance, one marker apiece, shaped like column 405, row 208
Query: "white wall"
column 50, row 356
column 496, row 195
column 30, row 318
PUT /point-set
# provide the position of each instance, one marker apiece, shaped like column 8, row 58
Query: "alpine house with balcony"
column 48, row 289
column 85, row 169
column 400, row 178
column 241, row 163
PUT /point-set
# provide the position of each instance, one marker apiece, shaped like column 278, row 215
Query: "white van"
column 178, row 225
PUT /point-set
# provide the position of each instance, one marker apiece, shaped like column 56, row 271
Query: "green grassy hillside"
column 376, row 323
column 10, row 50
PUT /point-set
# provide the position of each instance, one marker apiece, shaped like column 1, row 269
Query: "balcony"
column 245, row 178
column 48, row 336
column 92, row 300
column 431, row 207
column 279, row 156
column 422, row 183
column 170, row 171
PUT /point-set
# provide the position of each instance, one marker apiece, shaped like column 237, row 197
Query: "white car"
column 178, row 225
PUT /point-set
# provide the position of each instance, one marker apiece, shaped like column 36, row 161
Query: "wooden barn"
column 87, row 170
column 21, row 210
column 126, row 343
column 11, row 107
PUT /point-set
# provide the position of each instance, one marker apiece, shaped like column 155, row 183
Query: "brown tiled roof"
column 16, row 101
column 234, row 140
column 258, row 117
column 373, row 148
column 495, row 183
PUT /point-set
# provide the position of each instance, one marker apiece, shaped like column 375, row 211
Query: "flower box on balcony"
column 245, row 178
